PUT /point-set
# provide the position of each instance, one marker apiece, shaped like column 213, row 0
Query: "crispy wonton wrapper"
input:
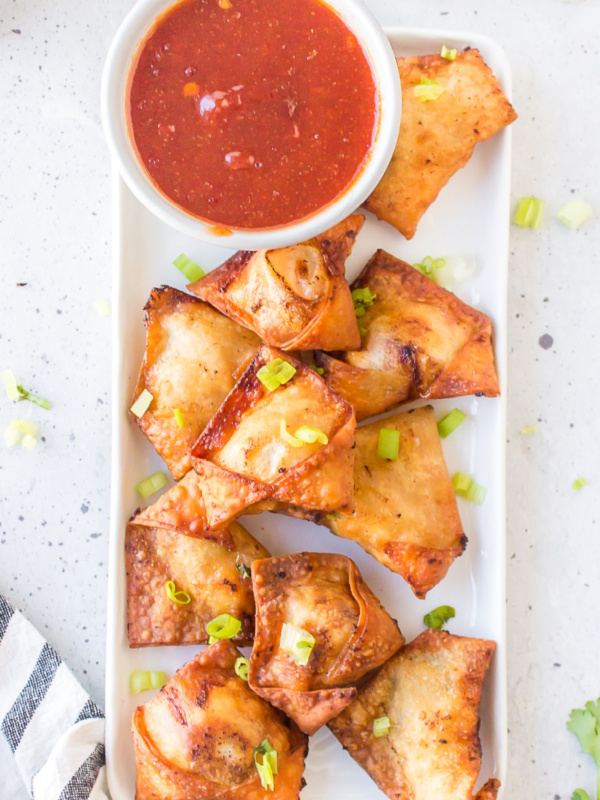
column 244, row 464
column 324, row 594
column 196, row 738
column 420, row 341
column 405, row 512
column 437, row 137
column 168, row 541
column 430, row 691
column 295, row 298
column 191, row 354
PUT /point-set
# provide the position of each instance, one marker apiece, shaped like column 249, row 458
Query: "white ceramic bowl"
column 124, row 46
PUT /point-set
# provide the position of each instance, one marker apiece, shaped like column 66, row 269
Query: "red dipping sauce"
column 252, row 113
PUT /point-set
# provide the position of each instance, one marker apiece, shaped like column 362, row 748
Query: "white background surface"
column 55, row 228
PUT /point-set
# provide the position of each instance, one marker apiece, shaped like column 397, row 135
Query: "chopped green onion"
column 190, row 269
column 10, row 383
column 362, row 298
column 304, row 435
column 102, row 308
column 268, row 767
column 141, row 681
column 275, row 373
column 223, row 627
column 449, row 54
column 465, row 487
column 33, row 398
column 178, row 417
column 381, row 727
column 389, row 444
column 530, row 212
column 287, row 436
column 579, row 484
column 439, row 617
column 450, row 422
column 244, row 571
column 318, row 370
column 428, row 90
column 241, row 668
column 177, row 595
column 24, row 427
column 575, row 213
column 142, row 404
column 527, row 429
column 29, row 442
column 297, row 642
column 152, row 484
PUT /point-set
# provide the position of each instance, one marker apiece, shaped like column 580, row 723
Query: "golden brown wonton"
column 169, row 541
column 430, row 691
column 420, row 341
column 324, row 594
column 191, row 354
column 295, row 298
column 405, row 513
column 246, row 466
column 196, row 738
column 489, row 790
column 437, row 137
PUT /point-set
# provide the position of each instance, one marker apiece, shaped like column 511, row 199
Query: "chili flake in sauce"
column 252, row 113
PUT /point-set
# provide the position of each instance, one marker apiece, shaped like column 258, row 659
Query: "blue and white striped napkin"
column 55, row 731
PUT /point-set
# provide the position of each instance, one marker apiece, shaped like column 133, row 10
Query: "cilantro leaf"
column 585, row 724
column 439, row 617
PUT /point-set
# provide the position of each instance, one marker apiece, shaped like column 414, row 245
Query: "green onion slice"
column 275, row 373
column 304, row 435
column 241, row 668
column 389, row 444
column 267, row 765
column 142, row 404
column 579, row 484
column 178, row 417
column 29, row 442
column 24, row 427
column 177, row 595
column 428, row 90
column 10, row 384
column 102, row 308
column 450, row 422
column 381, row 727
column 152, row 484
column 530, row 212
column 190, row 269
column 465, row 487
column 223, row 627
column 244, row 570
column 439, row 617
column 449, row 54
column 318, row 370
column 575, row 213
column 527, row 429
column 141, row 681
column 297, row 642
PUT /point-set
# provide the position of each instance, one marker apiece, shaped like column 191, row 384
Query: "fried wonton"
column 169, row 541
column 437, row 137
column 295, row 298
column 489, row 790
column 430, row 691
column 246, row 464
column 420, row 341
column 405, row 513
column 196, row 739
column 324, row 594
column 191, row 354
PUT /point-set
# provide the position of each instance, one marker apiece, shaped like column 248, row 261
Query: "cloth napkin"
column 54, row 729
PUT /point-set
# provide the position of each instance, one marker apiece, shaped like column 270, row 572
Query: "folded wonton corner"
column 324, row 594
column 169, row 541
column 244, row 463
column 295, row 298
column 191, row 354
column 420, row 341
column 437, row 137
column 196, row 738
column 430, row 691
column 405, row 512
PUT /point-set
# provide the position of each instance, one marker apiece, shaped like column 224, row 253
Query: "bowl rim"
column 119, row 60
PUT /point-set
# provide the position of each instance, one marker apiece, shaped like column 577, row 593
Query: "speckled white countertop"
column 55, row 232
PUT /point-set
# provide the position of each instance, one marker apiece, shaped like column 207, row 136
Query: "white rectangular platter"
column 469, row 219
